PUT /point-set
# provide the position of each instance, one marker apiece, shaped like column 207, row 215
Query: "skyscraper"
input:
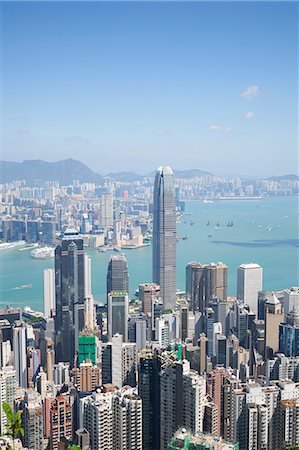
column 249, row 283
column 70, row 291
column 32, row 420
column 118, row 313
column 60, row 421
column 20, row 351
column 117, row 275
column 7, row 393
column 164, row 236
column 106, row 210
column 49, row 291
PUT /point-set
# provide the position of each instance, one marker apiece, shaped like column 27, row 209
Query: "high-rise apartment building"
column 113, row 419
column 117, row 275
column 60, row 421
column 87, row 377
column 20, row 353
column 182, row 399
column 32, row 420
column 149, row 391
column 49, row 292
column 249, row 283
column 70, row 292
column 164, row 236
column 7, row 393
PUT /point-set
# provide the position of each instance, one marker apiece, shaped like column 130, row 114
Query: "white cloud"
column 163, row 132
column 249, row 115
column 220, row 128
column 250, row 92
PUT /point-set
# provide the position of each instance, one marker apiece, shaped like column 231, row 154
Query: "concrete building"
column 291, row 300
column 249, row 283
column 164, row 236
column 60, row 421
column 32, row 420
column 106, row 210
column 87, row 377
column 117, row 274
column 8, row 383
column 148, row 292
column 273, row 318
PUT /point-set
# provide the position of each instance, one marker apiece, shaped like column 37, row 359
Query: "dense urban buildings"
column 161, row 370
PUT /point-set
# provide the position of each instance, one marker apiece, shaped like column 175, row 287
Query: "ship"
column 185, row 237
column 208, row 223
column 192, row 223
column 230, row 224
column 43, row 253
column 25, row 286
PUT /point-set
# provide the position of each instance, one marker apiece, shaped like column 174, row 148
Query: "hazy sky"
column 131, row 86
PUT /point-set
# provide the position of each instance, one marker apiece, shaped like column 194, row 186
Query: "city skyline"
column 161, row 84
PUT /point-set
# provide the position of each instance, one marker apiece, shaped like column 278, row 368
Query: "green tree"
column 14, row 426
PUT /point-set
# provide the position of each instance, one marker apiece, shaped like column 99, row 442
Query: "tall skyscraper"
column 87, row 272
column 195, row 285
column 147, row 294
column 249, row 283
column 117, row 275
column 118, row 314
column 164, row 236
column 20, row 353
column 106, row 207
column 49, row 291
column 70, row 292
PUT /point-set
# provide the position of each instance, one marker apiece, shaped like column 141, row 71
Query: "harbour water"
column 264, row 231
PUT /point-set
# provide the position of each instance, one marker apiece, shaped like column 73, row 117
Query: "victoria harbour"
column 264, row 231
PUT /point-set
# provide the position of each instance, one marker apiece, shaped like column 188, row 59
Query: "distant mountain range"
column 67, row 170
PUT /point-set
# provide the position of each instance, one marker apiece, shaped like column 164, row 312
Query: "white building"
column 123, row 362
column 87, row 275
column 113, row 419
column 7, row 392
column 49, row 291
column 249, row 283
column 290, row 300
column 106, row 208
column 5, row 353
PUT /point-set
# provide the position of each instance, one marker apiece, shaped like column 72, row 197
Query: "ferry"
column 25, row 286
column 43, row 253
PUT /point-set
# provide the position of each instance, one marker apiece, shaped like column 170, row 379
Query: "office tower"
column 182, row 393
column 123, row 362
column 89, row 316
column 33, row 364
column 221, row 352
column 162, row 332
column 87, row 275
column 195, row 285
column 60, row 421
column 217, row 329
column 137, row 331
column 117, row 275
column 32, row 420
column 164, row 236
column 49, row 292
column 147, row 294
column 113, row 419
column 118, row 314
column 149, row 392
column 7, row 393
column 106, row 208
column 249, row 283
column 87, row 377
column 273, row 318
column 210, row 319
column 184, row 322
column 203, row 344
column 291, row 300
column 50, row 361
column 289, row 335
column 70, row 290
column 215, row 281
column 20, row 352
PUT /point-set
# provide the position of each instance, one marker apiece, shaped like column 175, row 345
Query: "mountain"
column 125, row 176
column 191, row 173
column 290, row 177
column 63, row 171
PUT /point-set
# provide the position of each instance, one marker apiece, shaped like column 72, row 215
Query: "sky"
column 129, row 86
